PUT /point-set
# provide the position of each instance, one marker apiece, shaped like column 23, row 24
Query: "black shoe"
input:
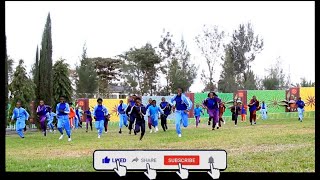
column 141, row 138
column 251, row 124
column 86, row 131
column 45, row 133
column 212, row 128
column 127, row 125
column 130, row 132
column 217, row 127
column 22, row 137
column 255, row 123
column 208, row 123
column 120, row 131
column 135, row 133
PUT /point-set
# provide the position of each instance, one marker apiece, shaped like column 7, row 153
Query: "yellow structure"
column 307, row 95
column 110, row 104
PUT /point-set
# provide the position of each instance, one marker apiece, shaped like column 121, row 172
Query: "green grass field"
column 284, row 145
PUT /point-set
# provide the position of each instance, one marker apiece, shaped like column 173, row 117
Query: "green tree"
column 228, row 82
column 61, row 82
column 86, row 83
column 245, row 45
column 45, row 65
column 305, row 83
column 167, row 53
column 35, row 68
column 275, row 80
column 10, row 63
column 22, row 88
column 181, row 71
column 108, row 71
column 140, row 69
column 210, row 42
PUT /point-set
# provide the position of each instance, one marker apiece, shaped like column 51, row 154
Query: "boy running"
column 197, row 113
column 20, row 115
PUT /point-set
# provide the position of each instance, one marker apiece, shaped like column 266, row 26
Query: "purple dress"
column 213, row 108
column 41, row 112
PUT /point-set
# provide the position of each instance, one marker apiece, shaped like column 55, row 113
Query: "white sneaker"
column 61, row 137
column 54, row 131
column 217, row 125
column 69, row 139
column 235, row 125
column 99, row 136
column 157, row 129
column 179, row 135
column 150, row 130
column 106, row 132
column 224, row 122
column 51, row 130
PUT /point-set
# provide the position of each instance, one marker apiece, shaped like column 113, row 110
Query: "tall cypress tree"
column 36, row 73
column 6, row 81
column 45, row 65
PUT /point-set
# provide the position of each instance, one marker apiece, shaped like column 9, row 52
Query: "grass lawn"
column 284, row 145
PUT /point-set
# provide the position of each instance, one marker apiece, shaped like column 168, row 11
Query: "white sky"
column 110, row 28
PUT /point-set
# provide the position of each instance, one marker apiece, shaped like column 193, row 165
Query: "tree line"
column 139, row 69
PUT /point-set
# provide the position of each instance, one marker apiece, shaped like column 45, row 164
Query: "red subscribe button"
column 184, row 160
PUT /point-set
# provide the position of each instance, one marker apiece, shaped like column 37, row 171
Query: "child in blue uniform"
column 300, row 107
column 182, row 106
column 50, row 116
column 264, row 111
column 122, row 115
column 153, row 112
column 148, row 117
column 100, row 112
column 20, row 115
column 197, row 113
column 62, row 111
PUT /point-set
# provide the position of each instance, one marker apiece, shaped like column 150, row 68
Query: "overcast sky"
column 110, row 28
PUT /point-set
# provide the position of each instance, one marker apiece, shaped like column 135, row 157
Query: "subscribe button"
column 160, row 160
column 184, row 160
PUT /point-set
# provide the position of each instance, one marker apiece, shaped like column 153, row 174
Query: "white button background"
column 219, row 156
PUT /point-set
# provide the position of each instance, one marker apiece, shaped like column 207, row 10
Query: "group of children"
column 134, row 114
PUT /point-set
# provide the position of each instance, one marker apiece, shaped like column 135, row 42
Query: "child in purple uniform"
column 88, row 116
column 212, row 106
column 41, row 112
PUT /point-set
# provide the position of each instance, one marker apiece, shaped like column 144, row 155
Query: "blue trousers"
column 264, row 114
column 123, row 120
column 154, row 120
column 50, row 124
column 181, row 117
column 20, row 124
column 99, row 126
column 76, row 122
column 300, row 113
column 63, row 123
